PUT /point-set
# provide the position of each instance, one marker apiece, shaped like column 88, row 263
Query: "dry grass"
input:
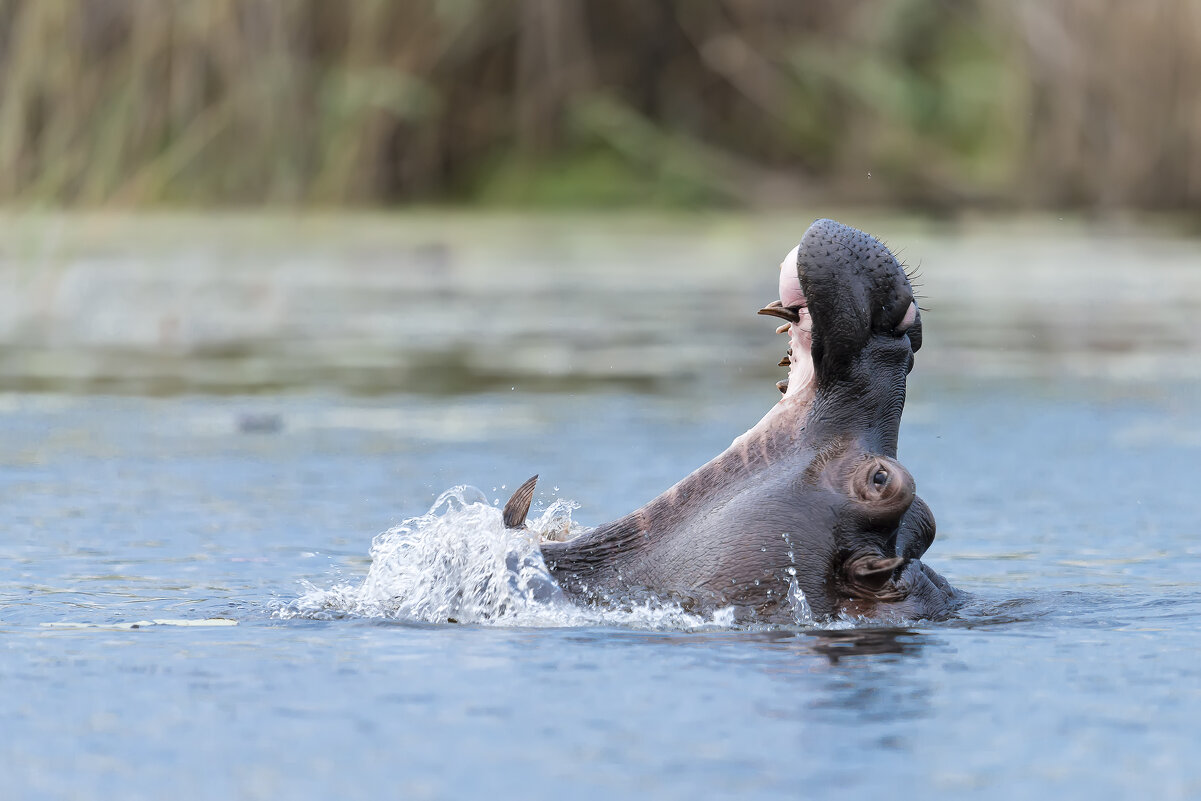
column 1047, row 102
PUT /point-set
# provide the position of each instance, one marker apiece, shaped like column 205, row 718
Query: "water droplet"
column 801, row 612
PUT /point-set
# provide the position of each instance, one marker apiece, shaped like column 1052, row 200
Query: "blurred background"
column 254, row 194
column 1065, row 104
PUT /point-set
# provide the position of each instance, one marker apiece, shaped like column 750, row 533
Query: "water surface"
column 1066, row 510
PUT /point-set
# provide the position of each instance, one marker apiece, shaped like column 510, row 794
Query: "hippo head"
column 854, row 327
column 811, row 501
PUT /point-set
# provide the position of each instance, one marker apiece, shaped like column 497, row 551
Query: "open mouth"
column 793, row 309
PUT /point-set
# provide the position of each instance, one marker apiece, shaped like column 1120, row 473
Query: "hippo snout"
column 881, row 487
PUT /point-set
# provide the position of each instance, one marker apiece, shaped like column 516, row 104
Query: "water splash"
column 458, row 563
column 802, row 614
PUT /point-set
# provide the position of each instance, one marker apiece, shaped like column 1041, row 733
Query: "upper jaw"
column 840, row 290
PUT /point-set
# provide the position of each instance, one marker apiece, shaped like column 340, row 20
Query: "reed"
column 1052, row 103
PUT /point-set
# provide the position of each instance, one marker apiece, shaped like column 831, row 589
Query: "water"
column 1067, row 510
column 212, row 597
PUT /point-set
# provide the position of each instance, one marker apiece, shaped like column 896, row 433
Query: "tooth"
column 782, row 385
column 783, row 328
column 774, row 309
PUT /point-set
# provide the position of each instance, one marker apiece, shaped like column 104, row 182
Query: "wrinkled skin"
column 812, row 496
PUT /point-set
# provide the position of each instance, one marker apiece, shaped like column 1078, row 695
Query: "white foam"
column 458, row 563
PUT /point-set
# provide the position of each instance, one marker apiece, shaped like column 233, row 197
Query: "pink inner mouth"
column 789, row 412
column 790, row 281
column 800, row 333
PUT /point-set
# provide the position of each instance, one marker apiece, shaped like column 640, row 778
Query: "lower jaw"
column 800, row 360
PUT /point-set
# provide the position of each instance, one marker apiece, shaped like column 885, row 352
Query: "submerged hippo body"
column 811, row 499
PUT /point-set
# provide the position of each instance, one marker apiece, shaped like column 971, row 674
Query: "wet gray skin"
column 811, row 497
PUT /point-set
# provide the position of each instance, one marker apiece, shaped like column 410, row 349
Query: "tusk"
column 774, row 309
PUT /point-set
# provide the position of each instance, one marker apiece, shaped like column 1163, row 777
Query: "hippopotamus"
column 809, row 508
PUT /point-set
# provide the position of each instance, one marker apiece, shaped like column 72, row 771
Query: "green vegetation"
column 551, row 103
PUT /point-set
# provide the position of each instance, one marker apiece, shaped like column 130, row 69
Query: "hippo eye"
column 880, row 478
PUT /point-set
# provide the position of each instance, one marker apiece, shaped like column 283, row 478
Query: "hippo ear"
column 519, row 505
